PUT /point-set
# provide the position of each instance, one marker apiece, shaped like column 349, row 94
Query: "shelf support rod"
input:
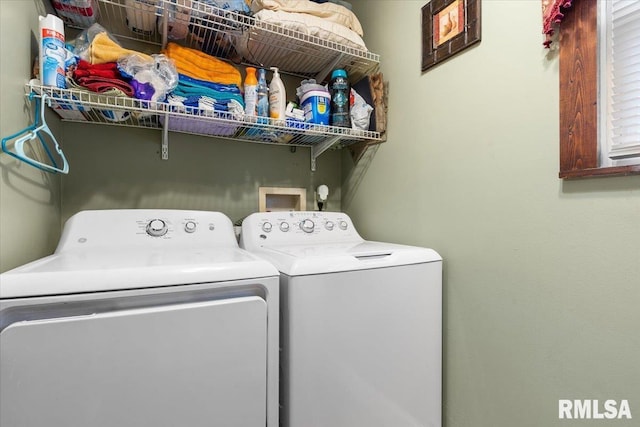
column 317, row 150
column 165, row 138
column 165, row 25
column 326, row 71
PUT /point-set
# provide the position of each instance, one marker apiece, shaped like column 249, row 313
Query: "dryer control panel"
column 297, row 227
column 124, row 228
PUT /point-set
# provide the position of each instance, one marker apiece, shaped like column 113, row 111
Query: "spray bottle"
column 262, row 108
column 250, row 92
column 52, row 51
column 277, row 96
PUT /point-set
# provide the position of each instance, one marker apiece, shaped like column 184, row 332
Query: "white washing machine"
column 142, row 318
column 361, row 328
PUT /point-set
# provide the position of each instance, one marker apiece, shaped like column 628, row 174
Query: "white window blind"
column 620, row 82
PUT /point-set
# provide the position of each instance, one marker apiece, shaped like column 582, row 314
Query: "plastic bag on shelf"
column 307, row 86
column 360, row 112
column 97, row 46
column 151, row 79
column 79, row 13
column 239, row 6
column 81, row 45
column 178, row 19
column 212, row 23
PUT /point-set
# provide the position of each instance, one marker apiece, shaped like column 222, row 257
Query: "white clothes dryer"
column 143, row 318
column 361, row 328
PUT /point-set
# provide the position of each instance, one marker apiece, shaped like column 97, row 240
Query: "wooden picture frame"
column 448, row 27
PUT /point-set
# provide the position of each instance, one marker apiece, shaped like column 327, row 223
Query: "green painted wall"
column 541, row 276
column 115, row 167
column 29, row 198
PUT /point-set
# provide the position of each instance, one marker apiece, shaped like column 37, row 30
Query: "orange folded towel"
column 199, row 65
column 104, row 50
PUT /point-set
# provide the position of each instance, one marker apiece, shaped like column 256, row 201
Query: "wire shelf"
column 148, row 25
column 235, row 37
column 77, row 105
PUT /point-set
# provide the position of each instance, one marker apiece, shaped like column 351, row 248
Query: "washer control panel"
column 297, row 227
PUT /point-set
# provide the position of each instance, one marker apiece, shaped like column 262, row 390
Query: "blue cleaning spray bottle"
column 262, row 108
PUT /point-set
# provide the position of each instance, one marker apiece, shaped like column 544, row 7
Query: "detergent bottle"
column 340, row 99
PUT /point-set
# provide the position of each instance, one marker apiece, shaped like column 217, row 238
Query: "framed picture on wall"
column 448, row 27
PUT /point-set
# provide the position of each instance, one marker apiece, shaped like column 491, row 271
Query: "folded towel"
column 72, row 84
column 85, row 69
column 329, row 11
column 195, row 103
column 199, row 65
column 188, row 89
column 103, row 49
column 102, row 84
column 203, row 105
column 210, row 85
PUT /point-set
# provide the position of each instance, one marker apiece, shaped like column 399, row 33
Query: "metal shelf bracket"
column 317, row 150
column 165, row 138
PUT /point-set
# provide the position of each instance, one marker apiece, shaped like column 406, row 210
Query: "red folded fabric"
column 101, row 84
column 108, row 70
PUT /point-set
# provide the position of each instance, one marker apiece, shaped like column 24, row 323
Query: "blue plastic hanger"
column 38, row 130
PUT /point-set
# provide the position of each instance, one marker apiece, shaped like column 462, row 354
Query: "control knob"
column 284, row 227
column 157, row 228
column 343, row 225
column 329, row 225
column 307, row 226
column 190, row 227
column 266, row 227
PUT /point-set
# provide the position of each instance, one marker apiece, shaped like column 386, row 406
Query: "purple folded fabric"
column 142, row 90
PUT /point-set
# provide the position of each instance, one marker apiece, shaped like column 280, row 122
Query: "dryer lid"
column 105, row 270
column 114, row 249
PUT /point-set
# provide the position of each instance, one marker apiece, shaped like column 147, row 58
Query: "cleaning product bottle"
column 262, row 107
column 340, row 95
column 52, row 51
column 250, row 92
column 277, row 96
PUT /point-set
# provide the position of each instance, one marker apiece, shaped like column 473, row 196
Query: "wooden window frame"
column 578, row 56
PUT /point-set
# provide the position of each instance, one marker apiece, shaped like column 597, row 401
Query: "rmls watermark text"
column 588, row 409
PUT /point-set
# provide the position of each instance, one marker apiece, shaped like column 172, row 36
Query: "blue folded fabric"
column 194, row 101
column 187, row 89
column 211, row 85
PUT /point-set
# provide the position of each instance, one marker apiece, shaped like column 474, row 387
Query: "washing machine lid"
column 299, row 260
column 104, row 269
